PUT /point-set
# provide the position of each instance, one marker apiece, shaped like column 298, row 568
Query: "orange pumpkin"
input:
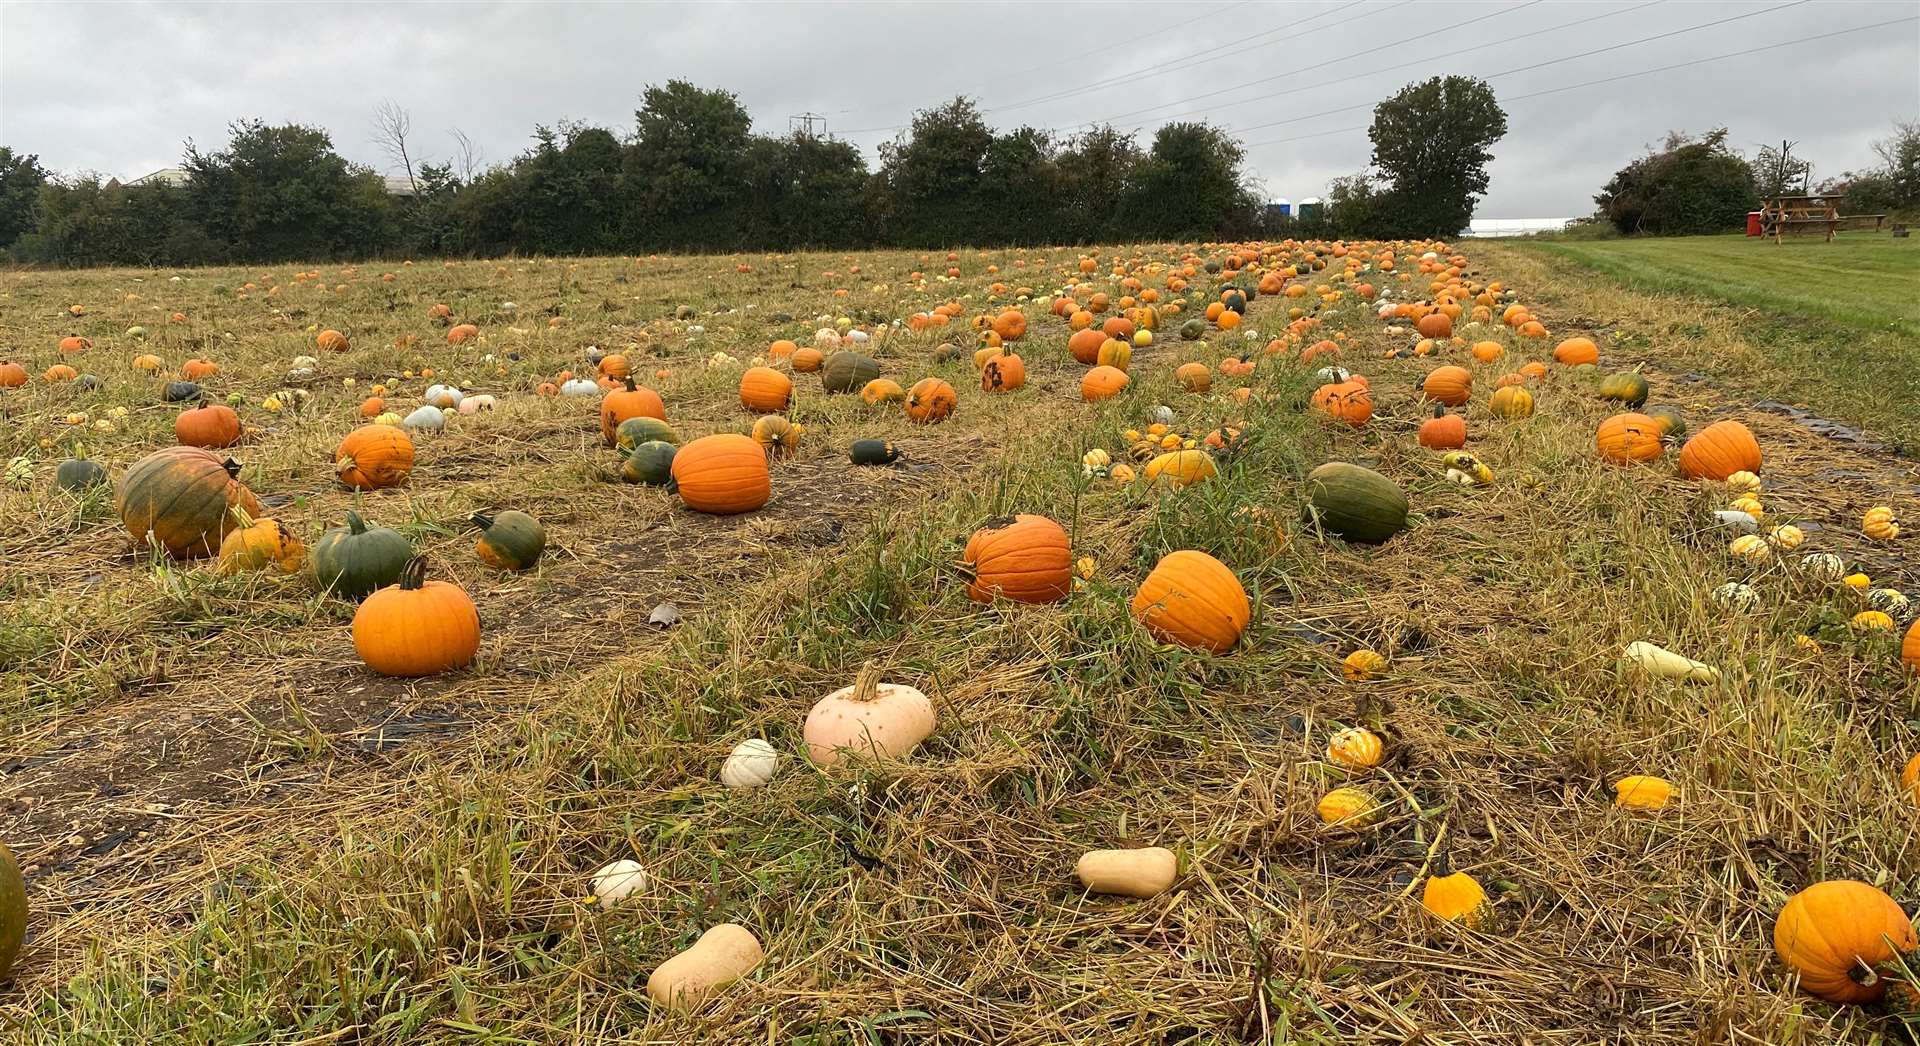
column 1085, row 345
column 1910, row 654
column 1024, row 558
column 208, row 425
column 75, row 343
column 58, row 372
column 1575, row 351
column 1720, row 450
column 807, row 359
column 765, row 390
column 633, row 401
column 183, row 498
column 373, row 457
column 1443, row 431
column 1628, row 437
column 1348, row 401
column 615, row 366
column 197, row 369
column 1435, row 325
column 12, row 375
column 1452, row 386
column 1837, row 934
column 1194, row 377
column 462, row 333
column 1004, row 372
column 782, row 348
column 1192, row 599
column 417, row 627
column 331, row 341
column 722, row 474
column 1010, row 325
column 930, row 401
column 1102, row 383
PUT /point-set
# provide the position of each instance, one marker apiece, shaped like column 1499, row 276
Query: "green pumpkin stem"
column 481, row 520
column 355, row 525
column 631, row 387
column 415, row 574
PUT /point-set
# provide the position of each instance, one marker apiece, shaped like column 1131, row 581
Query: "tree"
column 1356, row 206
column 391, row 126
column 1900, row 153
column 1777, row 172
column 933, row 176
column 687, row 165
column 1690, row 186
column 282, row 193
column 1094, row 171
column 21, row 177
column 1431, row 143
column 1189, row 186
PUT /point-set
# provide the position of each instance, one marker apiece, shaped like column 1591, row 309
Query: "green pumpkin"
column 181, row 391
column 947, row 352
column 1628, row 387
column 635, row 431
column 848, row 371
column 1193, row 330
column 1213, row 265
column 1235, row 301
column 1355, row 503
column 510, row 540
column 356, row 560
column 1672, row 425
column 650, row 463
column 13, row 911
column 874, row 452
column 78, row 474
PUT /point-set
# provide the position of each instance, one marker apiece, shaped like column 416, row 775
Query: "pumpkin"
column 1011, row 325
column 1193, row 600
column 181, row 391
column 633, row 401
column 722, row 474
column 1575, row 351
column 1363, row 664
column 1144, row 872
column 1355, row 748
column 868, row 719
column 1102, row 383
column 1348, row 809
column 1192, row 330
column 1115, row 353
column 650, row 462
column 352, row 560
column 144, row 361
column 882, row 390
column 1349, row 401
column 1838, row 934
column 460, row 334
column 1512, row 403
column 635, row 431
column 426, row 417
column 1355, row 503
column 1085, row 345
column 257, row 544
column 930, row 401
column 1023, row 558
column 615, row 366
column 722, row 955
column 1181, row 468
column 510, row 540
column 1910, row 648
column 1004, row 372
column 847, row 371
column 1443, row 431
column 1488, row 351
column 1672, row 425
column 765, row 390
column 874, row 452
column 1628, row 437
column 1720, row 450
column 616, row 881
column 777, row 434
column 182, row 499
column 1451, row 386
column 417, row 627
column 208, row 425
column 1641, row 792
column 75, row 343
column 1455, row 897
column 1628, row 387
column 13, row 911
column 445, row 397
column 79, row 474
column 808, row 359
column 751, row 764
column 1880, row 524
column 1435, row 325
column 1194, row 377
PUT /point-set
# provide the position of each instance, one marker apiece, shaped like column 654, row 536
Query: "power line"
column 1503, row 42
column 1796, row 41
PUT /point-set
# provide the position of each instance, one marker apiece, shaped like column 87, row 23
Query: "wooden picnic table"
column 1779, row 214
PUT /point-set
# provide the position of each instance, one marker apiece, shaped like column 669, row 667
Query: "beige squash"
column 721, row 956
column 869, row 718
column 1144, row 872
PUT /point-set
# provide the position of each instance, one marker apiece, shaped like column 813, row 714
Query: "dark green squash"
column 1672, row 425
column 946, row 352
column 650, row 463
column 848, row 371
column 1193, row 330
column 356, row 560
column 1235, row 300
column 510, row 540
column 1355, row 503
column 635, row 431
column 874, row 452
column 181, row 391
column 1628, row 387
column 78, row 474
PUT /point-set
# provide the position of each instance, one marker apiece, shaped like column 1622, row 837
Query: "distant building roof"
column 1513, row 226
column 163, row 176
column 397, row 184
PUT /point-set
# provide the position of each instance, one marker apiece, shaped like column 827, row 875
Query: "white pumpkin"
column 475, row 404
column 750, row 764
column 446, row 397
column 1163, row 415
column 617, row 881
column 858, row 337
column 826, row 338
column 579, row 387
column 428, row 418
column 305, row 361
column 1333, row 375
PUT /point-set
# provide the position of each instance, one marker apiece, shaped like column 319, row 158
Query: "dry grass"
column 331, row 886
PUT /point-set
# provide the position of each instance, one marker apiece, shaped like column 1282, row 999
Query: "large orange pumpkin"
column 1192, row 599
column 1102, row 383
column 1004, row 372
column 1024, row 558
column 765, row 390
column 1575, row 351
column 1452, row 386
column 930, row 401
column 1011, row 325
column 184, row 498
column 1435, row 325
column 417, row 627
column 1628, row 437
column 1720, row 450
column 1443, row 431
column 1837, row 934
column 633, row 401
column 208, row 425
column 722, row 474
column 1085, row 345
column 373, row 457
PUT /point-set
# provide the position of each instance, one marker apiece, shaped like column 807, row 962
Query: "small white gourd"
column 617, row 881
column 428, row 418
column 750, row 765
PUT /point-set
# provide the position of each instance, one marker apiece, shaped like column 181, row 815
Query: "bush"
column 1690, row 187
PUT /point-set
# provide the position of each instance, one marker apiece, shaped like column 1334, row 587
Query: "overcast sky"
column 117, row 87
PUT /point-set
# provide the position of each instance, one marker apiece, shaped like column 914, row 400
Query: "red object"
column 1753, row 223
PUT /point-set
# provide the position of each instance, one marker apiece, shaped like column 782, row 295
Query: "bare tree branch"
column 468, row 155
column 391, row 126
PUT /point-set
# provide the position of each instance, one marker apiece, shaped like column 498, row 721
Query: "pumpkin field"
column 1283, row 642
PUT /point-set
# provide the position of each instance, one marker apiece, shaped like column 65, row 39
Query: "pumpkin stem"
column 481, row 520
column 232, row 467
column 1862, row 973
column 355, row 524
column 1439, row 410
column 631, row 387
column 415, row 575
column 866, row 686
